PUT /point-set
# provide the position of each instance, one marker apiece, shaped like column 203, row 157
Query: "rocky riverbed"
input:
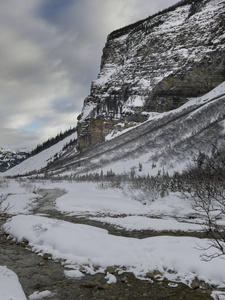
column 37, row 273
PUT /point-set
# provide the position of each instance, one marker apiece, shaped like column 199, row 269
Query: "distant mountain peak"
column 10, row 158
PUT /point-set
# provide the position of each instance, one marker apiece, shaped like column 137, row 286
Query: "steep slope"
column 39, row 161
column 10, row 158
column 46, row 152
column 155, row 65
column 166, row 140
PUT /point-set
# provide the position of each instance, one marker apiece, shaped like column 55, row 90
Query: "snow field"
column 18, row 199
column 177, row 258
column 78, row 244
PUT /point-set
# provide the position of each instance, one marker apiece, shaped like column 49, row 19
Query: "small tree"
column 205, row 185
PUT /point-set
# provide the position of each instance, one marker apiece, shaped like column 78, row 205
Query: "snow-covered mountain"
column 10, row 158
column 158, row 100
column 166, row 141
column 155, row 65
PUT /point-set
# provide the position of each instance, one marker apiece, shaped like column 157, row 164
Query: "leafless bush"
column 4, row 183
column 4, row 207
column 147, row 189
column 205, row 185
column 28, row 185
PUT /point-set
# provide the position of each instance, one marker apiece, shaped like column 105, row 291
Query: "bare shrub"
column 205, row 185
column 4, row 208
column 147, row 189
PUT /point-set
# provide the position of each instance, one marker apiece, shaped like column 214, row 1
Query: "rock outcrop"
column 155, row 65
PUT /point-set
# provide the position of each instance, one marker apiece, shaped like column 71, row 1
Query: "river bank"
column 39, row 273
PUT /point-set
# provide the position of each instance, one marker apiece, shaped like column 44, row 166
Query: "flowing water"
column 38, row 274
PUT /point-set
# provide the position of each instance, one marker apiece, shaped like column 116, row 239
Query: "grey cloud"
column 50, row 52
column 64, row 105
column 17, row 139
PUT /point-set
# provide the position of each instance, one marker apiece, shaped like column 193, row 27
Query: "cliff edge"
column 156, row 64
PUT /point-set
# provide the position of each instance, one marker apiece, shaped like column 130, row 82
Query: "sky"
column 50, row 53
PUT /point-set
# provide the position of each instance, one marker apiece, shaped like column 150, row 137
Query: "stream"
column 38, row 274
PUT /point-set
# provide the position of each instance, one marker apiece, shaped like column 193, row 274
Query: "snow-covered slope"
column 166, row 140
column 42, row 159
column 10, row 158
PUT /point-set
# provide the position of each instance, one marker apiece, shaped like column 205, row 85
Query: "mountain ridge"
column 10, row 158
column 121, row 31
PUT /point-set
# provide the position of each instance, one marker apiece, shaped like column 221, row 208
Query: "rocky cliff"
column 156, row 64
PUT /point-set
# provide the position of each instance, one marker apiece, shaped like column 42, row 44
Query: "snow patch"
column 111, row 278
column 40, row 295
column 73, row 274
column 10, row 288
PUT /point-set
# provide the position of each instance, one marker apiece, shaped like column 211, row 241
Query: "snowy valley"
column 131, row 204
column 69, row 229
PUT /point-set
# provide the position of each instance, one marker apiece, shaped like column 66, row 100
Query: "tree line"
column 52, row 141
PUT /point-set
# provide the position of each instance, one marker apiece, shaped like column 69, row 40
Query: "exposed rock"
column 195, row 284
column 154, row 274
column 111, row 270
column 155, row 65
column 124, row 279
column 93, row 130
column 47, row 256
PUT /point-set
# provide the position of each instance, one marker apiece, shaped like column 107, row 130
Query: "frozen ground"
column 94, row 249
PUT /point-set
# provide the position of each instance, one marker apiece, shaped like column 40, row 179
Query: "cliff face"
column 155, row 65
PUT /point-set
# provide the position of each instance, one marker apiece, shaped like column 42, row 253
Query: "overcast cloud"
column 50, row 52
